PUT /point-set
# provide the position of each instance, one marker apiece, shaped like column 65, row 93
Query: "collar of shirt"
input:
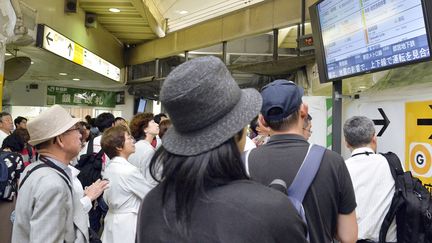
column 283, row 137
column 62, row 166
column 362, row 151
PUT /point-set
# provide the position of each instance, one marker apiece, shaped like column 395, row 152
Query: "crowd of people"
column 205, row 174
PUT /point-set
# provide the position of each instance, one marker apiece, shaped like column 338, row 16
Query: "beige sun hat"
column 49, row 124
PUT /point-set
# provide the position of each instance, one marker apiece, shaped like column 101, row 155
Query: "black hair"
column 4, row 113
column 14, row 142
column 119, row 118
column 253, row 125
column 157, row 118
column 185, row 179
column 104, row 120
column 19, row 119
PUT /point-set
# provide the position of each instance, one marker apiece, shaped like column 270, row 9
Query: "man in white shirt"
column 371, row 177
column 6, row 125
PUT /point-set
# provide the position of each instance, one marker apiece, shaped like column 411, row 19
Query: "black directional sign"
column 383, row 122
column 48, row 38
column 425, row 122
column 70, row 48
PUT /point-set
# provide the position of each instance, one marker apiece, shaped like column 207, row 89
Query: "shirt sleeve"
column 137, row 184
column 86, row 203
column 347, row 201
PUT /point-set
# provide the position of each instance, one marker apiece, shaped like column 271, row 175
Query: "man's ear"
column 262, row 120
column 304, row 111
column 59, row 141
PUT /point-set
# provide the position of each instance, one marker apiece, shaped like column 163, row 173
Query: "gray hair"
column 358, row 131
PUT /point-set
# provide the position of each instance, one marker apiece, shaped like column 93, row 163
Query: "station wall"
column 409, row 133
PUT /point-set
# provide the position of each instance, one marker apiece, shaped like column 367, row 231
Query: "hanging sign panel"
column 81, row 97
column 57, row 43
column 357, row 37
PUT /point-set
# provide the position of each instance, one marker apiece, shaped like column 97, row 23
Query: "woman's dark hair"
column 158, row 117
column 14, row 142
column 23, row 134
column 253, row 125
column 112, row 139
column 138, row 123
column 163, row 127
column 187, row 178
column 84, row 124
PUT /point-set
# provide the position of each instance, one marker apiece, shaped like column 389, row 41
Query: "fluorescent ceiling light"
column 114, row 10
column 182, row 12
column 63, row 74
column 8, row 54
column 76, row 79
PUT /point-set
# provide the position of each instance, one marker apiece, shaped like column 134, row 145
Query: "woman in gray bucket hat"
column 204, row 193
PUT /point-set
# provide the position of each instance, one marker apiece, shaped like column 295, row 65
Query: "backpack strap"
column 90, row 146
column 306, row 173
column 47, row 163
column 245, row 157
column 396, row 170
column 394, row 164
column 31, row 171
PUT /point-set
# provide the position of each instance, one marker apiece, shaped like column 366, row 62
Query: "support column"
column 186, row 54
column 275, row 44
column 224, row 52
column 2, row 62
column 337, row 116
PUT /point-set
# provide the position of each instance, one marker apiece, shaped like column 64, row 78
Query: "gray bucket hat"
column 205, row 105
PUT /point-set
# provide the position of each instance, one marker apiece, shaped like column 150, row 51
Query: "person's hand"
column 96, row 189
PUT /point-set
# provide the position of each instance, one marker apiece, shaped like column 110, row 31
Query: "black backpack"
column 411, row 205
column 90, row 166
column 7, row 186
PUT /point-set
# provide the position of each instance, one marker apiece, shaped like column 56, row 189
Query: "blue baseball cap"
column 283, row 95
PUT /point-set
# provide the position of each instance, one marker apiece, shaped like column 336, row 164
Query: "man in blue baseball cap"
column 329, row 202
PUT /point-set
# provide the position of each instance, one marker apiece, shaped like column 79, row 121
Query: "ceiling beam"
column 157, row 23
column 257, row 19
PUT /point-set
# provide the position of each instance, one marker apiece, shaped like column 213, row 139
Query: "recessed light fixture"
column 182, row 12
column 63, row 74
column 8, row 54
column 114, row 10
column 76, row 79
column 31, row 62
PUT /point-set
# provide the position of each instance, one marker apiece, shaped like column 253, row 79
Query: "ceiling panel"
column 184, row 13
column 130, row 26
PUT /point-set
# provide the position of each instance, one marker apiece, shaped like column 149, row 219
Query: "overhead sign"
column 81, row 97
column 57, row 43
column 418, row 147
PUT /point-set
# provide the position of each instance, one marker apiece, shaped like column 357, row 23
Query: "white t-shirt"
column 374, row 189
column 3, row 135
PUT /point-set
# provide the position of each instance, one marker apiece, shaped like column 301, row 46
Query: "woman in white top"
column 144, row 129
column 127, row 187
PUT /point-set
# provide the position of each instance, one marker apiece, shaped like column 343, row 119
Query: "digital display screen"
column 141, row 105
column 363, row 36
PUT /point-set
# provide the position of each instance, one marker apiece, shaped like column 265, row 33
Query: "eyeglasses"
column 75, row 128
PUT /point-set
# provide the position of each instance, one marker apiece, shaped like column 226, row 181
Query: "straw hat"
column 49, row 124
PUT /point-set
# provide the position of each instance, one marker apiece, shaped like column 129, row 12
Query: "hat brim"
column 64, row 128
column 217, row 133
